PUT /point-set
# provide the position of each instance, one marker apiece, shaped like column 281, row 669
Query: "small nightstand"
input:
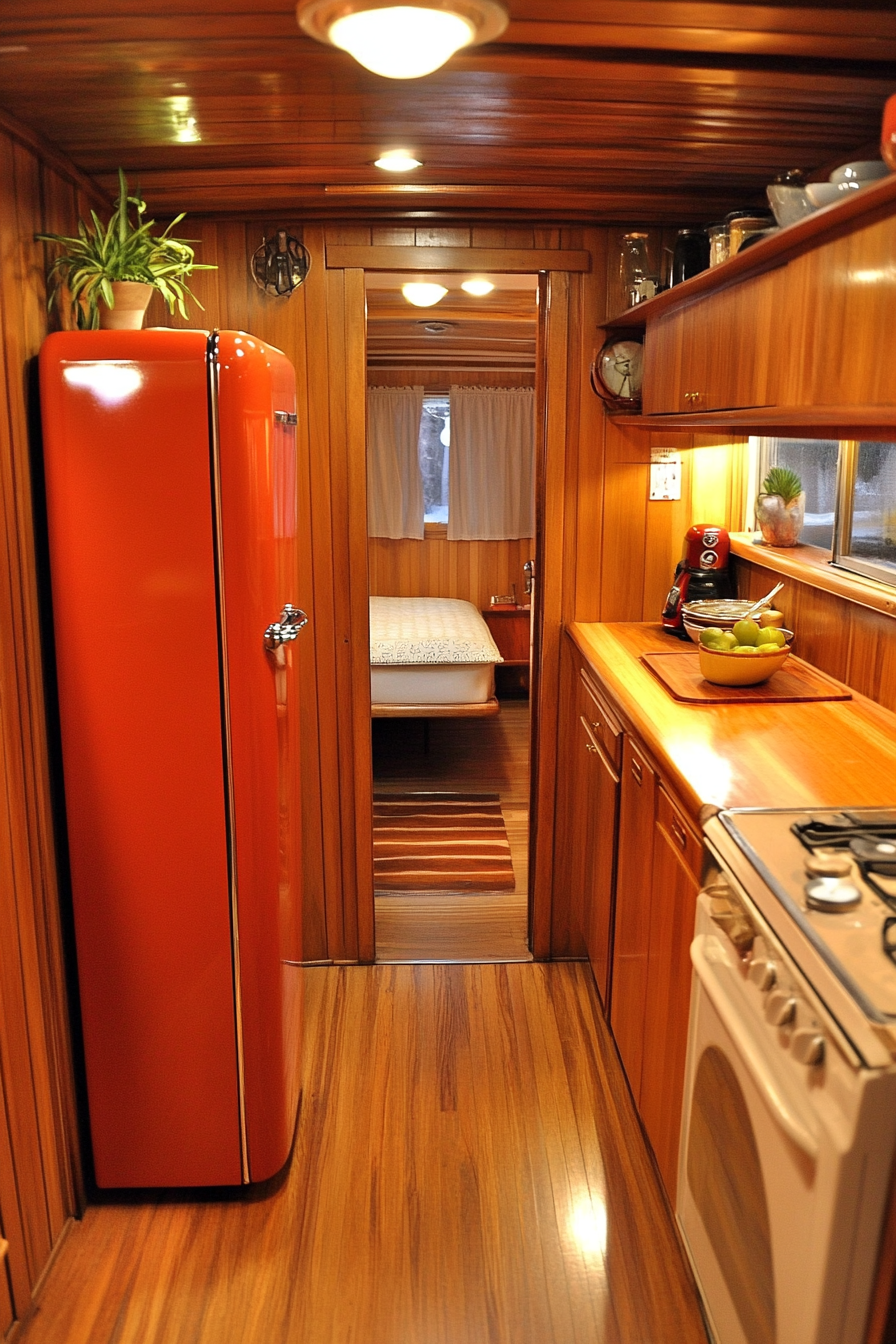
column 510, row 631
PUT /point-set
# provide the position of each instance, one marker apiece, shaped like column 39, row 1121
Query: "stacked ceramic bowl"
column 720, row 613
column 850, row 177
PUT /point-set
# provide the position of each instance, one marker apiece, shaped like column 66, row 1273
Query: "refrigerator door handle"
column 292, row 620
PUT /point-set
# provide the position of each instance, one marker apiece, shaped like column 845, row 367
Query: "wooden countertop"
column 818, row 754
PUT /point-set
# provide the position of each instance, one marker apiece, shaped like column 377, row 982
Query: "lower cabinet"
column 633, row 859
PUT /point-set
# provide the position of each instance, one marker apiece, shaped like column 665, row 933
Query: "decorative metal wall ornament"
column 280, row 265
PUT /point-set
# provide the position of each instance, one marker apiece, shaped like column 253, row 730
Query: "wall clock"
column 617, row 371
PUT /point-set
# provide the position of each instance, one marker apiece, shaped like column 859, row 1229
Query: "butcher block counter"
column 638, row 772
column 834, row 753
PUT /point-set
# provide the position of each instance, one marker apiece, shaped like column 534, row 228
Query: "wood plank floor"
column 468, row 1170
column 491, row 755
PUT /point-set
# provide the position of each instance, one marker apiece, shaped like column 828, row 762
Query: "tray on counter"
column 680, row 674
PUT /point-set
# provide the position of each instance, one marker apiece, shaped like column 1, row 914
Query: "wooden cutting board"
column 680, row 674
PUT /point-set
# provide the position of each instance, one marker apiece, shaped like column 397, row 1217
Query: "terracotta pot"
column 131, row 302
column 780, row 523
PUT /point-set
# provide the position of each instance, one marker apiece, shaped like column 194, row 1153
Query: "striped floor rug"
column 440, row 842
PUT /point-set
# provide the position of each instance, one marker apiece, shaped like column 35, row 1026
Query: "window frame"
column 844, row 500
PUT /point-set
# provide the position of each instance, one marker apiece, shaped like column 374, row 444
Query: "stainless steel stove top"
column 835, row 874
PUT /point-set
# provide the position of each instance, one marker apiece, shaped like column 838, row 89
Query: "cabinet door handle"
column 637, row 772
column 692, row 397
column 679, row 832
column 596, row 725
column 589, row 746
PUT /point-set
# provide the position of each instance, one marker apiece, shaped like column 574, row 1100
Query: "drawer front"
column 681, row 833
column 600, row 719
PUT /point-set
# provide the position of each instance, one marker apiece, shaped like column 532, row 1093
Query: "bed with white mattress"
column 430, row 657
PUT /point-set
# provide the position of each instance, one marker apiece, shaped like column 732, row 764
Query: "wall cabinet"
column 719, row 353
column 637, row 865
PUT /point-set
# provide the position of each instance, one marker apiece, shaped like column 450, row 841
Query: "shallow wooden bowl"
column 741, row 669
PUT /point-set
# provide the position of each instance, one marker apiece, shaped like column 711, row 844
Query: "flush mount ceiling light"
column 402, row 41
column 423, row 295
column 478, row 288
column 397, row 161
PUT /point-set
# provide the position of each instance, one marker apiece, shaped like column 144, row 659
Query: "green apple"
column 728, row 641
column 746, row 632
column 710, row 637
column 746, row 648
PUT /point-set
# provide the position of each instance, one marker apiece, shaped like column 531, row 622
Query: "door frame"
column 559, row 270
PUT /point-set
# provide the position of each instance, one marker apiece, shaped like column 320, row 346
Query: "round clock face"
column 619, row 371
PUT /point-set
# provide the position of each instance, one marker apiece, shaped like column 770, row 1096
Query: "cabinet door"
column 674, row 889
column 602, row 805
column 718, row 353
column 631, row 942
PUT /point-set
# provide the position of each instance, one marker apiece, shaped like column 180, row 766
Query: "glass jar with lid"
column 742, row 224
column 718, row 242
column 639, row 279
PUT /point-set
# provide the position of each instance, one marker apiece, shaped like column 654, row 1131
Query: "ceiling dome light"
column 423, row 295
column 478, row 288
column 402, row 41
column 397, row 161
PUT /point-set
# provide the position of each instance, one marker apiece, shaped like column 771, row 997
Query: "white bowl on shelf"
column 862, row 170
column 826, row 193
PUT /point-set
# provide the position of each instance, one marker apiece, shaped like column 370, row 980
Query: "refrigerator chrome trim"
column 215, row 471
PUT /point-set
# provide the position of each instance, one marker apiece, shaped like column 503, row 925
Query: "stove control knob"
column 780, row 1007
column 762, row 973
column 832, row 894
column 807, row 1045
column 828, row 865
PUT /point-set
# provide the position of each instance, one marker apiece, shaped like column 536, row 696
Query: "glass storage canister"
column 718, row 242
column 638, row 277
column 691, row 255
column 742, row 224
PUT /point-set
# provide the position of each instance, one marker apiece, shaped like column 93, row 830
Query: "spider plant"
column 123, row 249
column 784, row 482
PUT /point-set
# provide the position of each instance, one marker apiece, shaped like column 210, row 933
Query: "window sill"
column 811, row 565
column 435, row 531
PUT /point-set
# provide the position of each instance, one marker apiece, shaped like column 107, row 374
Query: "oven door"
column 783, row 1166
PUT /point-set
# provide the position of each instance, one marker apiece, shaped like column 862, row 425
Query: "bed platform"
column 430, row 657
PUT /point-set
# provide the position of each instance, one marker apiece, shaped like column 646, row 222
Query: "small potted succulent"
column 111, row 270
column 780, row 507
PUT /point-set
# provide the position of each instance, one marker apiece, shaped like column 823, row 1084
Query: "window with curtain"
column 492, row 477
column 394, row 481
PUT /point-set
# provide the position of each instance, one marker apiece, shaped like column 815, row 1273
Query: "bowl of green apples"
column 743, row 656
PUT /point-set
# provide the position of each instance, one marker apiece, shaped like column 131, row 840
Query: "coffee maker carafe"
column 701, row 573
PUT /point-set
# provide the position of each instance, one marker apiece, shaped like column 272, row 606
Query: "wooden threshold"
column 811, row 565
column 525, row 261
column 483, row 709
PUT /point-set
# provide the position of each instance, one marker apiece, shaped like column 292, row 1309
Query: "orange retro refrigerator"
column 171, row 502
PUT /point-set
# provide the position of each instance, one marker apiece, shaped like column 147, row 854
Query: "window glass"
column 872, row 535
column 815, row 462
column 435, row 435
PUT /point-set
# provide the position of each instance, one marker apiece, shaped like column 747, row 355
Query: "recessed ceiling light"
column 423, row 295
column 402, row 41
column 479, row 288
column 397, row 161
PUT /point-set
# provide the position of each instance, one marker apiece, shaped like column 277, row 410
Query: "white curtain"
column 394, row 482
column 491, row 473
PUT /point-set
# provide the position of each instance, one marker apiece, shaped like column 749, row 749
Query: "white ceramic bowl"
column 863, row 170
column 789, row 204
column 826, row 193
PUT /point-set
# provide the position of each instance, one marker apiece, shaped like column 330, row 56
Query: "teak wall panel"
column 39, row 1165
column 853, row 643
column 437, row 567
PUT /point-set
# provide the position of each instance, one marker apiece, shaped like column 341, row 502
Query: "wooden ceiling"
column 598, row 110
column 497, row 331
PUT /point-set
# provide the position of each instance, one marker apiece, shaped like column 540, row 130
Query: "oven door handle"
column 762, row 1076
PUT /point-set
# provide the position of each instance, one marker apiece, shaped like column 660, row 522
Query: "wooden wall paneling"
column 456, row 257
column 437, row 567
column 591, row 440
column 551, row 446
column 856, row 644
column 624, row 523
column 39, row 1161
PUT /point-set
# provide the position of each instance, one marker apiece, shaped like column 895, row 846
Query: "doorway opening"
column 452, row 784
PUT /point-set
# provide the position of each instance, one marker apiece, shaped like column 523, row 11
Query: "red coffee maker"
column 702, row 572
